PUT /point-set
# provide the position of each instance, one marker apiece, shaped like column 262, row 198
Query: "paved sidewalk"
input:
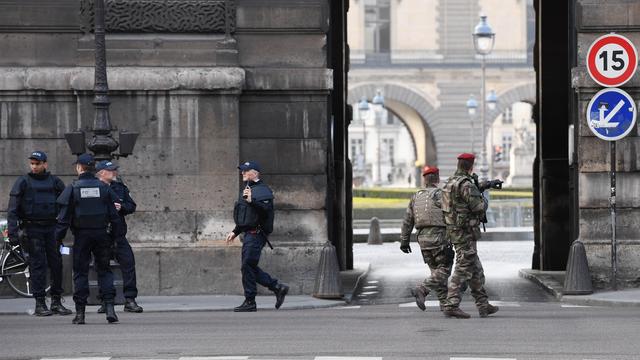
column 185, row 303
column 553, row 282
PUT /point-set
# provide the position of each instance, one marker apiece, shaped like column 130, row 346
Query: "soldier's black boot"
column 130, row 305
column 487, row 310
column 41, row 307
column 101, row 309
column 247, row 306
column 456, row 313
column 420, row 293
column 110, row 311
column 79, row 318
column 280, row 291
column 57, row 307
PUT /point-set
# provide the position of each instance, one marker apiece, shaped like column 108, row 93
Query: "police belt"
column 38, row 222
column 259, row 231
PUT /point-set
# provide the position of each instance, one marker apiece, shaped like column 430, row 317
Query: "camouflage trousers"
column 468, row 270
column 438, row 255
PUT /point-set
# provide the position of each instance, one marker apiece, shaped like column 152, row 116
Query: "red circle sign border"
column 591, row 60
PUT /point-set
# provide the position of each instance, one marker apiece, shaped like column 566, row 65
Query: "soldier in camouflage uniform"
column 463, row 206
column 424, row 212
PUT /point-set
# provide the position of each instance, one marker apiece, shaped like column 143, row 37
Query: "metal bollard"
column 577, row 279
column 328, row 284
column 375, row 237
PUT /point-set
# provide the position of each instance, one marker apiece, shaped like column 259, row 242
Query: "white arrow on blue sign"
column 611, row 114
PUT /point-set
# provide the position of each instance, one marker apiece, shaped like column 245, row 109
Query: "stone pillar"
column 596, row 18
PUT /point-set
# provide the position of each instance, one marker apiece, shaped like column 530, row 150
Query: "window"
column 356, row 147
column 506, row 146
column 507, row 116
column 377, row 29
column 389, row 148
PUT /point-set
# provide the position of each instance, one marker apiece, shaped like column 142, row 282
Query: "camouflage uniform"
column 424, row 212
column 463, row 206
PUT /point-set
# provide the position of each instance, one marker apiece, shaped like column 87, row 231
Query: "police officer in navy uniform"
column 253, row 215
column 33, row 208
column 87, row 206
column 107, row 172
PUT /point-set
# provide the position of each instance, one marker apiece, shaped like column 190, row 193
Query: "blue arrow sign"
column 611, row 114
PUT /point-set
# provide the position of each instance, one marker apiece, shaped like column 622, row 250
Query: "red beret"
column 430, row 170
column 466, row 156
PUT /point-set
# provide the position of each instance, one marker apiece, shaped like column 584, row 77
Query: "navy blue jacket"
column 128, row 205
column 14, row 211
column 66, row 202
column 262, row 202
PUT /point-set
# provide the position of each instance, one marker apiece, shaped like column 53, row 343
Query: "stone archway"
column 412, row 108
column 506, row 98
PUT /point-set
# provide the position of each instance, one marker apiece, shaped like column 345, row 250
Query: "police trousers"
column 124, row 255
column 252, row 245
column 44, row 253
column 94, row 242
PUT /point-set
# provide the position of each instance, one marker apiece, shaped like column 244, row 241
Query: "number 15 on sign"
column 612, row 60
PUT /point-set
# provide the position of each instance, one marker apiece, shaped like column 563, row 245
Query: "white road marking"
column 373, row 282
column 366, row 293
column 370, row 287
column 505, row 303
column 349, row 307
column 574, row 306
column 80, row 358
column 428, row 303
column 346, row 358
column 214, row 358
column 479, row 358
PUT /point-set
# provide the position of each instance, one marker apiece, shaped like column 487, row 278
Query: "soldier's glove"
column 405, row 247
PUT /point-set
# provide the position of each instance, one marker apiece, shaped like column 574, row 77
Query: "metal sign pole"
column 612, row 203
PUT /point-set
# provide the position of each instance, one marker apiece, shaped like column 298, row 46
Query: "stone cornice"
column 122, row 78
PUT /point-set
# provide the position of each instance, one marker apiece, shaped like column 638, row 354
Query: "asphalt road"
column 392, row 331
column 384, row 323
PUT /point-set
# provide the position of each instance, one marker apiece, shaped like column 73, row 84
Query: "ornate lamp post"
column 472, row 107
column 102, row 144
column 483, row 41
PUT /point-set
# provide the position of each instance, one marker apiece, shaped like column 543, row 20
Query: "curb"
column 544, row 281
column 547, row 281
column 359, row 281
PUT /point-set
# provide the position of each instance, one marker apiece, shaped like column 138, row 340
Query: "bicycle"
column 14, row 265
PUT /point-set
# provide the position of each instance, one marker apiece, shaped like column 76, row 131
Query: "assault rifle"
column 486, row 185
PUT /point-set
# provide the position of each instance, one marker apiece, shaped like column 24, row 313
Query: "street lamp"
column 102, row 143
column 483, row 41
column 378, row 99
column 492, row 100
column 472, row 106
column 363, row 109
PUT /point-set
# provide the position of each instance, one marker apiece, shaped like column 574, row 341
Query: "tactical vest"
column 39, row 200
column 245, row 215
column 425, row 211
column 454, row 209
column 90, row 208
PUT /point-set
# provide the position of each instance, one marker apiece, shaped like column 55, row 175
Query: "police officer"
column 425, row 214
column 33, row 208
column 107, row 172
column 87, row 206
column 253, row 214
column 464, row 207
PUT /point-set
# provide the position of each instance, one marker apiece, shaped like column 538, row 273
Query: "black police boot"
column 57, row 307
column 101, row 309
column 130, row 305
column 79, row 318
column 420, row 293
column 280, row 291
column 41, row 308
column 111, row 312
column 247, row 306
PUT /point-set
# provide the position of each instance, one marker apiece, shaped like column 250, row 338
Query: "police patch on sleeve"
column 88, row 193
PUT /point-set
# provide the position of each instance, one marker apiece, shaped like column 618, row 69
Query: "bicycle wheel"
column 16, row 271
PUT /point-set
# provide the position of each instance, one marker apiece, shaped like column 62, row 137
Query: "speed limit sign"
column 612, row 60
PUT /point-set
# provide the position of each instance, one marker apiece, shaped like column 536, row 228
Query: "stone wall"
column 202, row 102
column 594, row 19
